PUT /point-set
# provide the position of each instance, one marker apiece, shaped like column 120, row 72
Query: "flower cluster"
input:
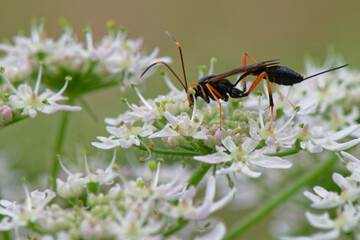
column 29, row 101
column 114, row 60
column 124, row 209
column 344, row 219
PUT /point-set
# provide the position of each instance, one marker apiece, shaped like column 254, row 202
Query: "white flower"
column 17, row 215
column 124, row 136
column 136, row 222
column 345, row 221
column 115, row 54
column 353, row 165
column 100, row 176
column 186, row 208
column 18, row 58
column 110, row 143
column 182, row 125
column 6, row 114
column 73, row 186
column 325, row 199
column 243, row 157
column 315, row 139
column 30, row 101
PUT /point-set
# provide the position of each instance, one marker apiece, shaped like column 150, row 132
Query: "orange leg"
column 282, row 95
column 244, row 64
column 214, row 92
column 271, row 101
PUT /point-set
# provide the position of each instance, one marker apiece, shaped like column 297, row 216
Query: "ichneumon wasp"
column 216, row 87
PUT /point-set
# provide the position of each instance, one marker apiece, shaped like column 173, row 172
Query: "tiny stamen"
column 112, row 161
column 287, row 123
column 147, row 148
column 38, row 80
column 194, row 108
column 142, row 98
column 168, row 82
column 63, row 166
column 157, row 174
column 11, row 86
column 261, row 120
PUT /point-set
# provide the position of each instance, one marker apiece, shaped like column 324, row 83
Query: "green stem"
column 181, row 223
column 6, row 235
column 16, row 119
column 195, row 179
column 58, row 148
column 170, row 152
column 88, row 109
column 258, row 214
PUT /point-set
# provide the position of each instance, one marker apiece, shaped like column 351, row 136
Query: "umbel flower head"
column 124, row 209
column 29, row 101
column 346, row 219
column 44, row 62
column 114, row 59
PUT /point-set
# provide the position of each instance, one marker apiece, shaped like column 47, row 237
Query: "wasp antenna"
column 181, row 55
column 332, row 69
column 172, row 71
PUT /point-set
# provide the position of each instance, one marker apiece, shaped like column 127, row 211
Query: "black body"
column 223, row 86
column 281, row 75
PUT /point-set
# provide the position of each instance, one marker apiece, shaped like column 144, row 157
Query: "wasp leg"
column 271, row 101
column 243, row 57
column 215, row 93
column 283, row 96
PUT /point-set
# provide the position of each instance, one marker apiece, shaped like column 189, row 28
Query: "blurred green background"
column 288, row 30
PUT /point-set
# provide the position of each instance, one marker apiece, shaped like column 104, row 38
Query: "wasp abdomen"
column 283, row 75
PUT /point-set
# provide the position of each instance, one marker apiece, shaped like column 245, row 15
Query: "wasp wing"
column 248, row 68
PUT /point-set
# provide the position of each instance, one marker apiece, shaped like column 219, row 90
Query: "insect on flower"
column 217, row 87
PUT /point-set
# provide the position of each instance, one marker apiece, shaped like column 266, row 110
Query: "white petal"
column 262, row 160
column 204, row 210
column 350, row 157
column 320, row 221
column 115, row 131
column 228, row 143
column 214, row 158
column 312, row 197
column 322, row 192
column 174, row 121
column 249, row 144
column 311, row 147
column 339, row 180
column 202, row 134
column 330, row 235
column 222, row 202
column 106, row 143
column 334, row 146
column 344, row 132
column 241, row 167
column 165, row 132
